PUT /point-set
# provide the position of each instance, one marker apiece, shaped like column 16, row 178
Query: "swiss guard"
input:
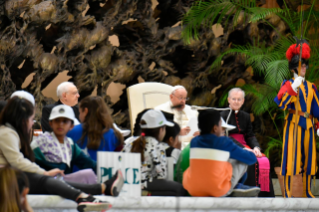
column 299, row 98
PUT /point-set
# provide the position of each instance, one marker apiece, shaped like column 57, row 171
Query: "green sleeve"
column 182, row 164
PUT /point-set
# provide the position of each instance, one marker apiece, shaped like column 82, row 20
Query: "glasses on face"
column 236, row 99
column 181, row 98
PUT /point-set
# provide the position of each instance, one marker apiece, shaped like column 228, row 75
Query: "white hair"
column 237, row 90
column 63, row 88
column 176, row 87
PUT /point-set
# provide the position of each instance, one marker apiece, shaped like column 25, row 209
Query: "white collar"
column 296, row 75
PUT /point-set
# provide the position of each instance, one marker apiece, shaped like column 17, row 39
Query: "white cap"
column 62, row 111
column 123, row 132
column 227, row 126
column 154, row 119
column 24, row 95
column 176, row 87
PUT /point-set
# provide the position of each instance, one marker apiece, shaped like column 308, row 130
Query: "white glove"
column 297, row 82
column 317, row 132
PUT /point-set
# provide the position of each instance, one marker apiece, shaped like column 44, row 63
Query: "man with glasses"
column 258, row 174
column 68, row 95
column 183, row 113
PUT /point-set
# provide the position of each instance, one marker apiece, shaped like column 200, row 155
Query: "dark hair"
column 9, row 190
column 139, row 144
column 97, row 122
column 2, row 105
column 137, row 129
column 294, row 63
column 207, row 119
column 171, row 132
column 16, row 113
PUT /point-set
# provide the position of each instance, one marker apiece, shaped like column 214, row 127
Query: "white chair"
column 146, row 95
column 170, row 168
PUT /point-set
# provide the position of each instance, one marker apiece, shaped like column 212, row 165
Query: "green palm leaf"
column 264, row 97
column 273, row 144
column 259, row 13
column 210, row 12
column 277, row 71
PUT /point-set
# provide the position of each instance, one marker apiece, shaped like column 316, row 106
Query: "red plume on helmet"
column 292, row 51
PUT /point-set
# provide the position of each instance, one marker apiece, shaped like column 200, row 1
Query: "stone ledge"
column 51, row 203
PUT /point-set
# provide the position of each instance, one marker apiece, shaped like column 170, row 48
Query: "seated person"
column 183, row 113
column 96, row 131
column 56, row 150
column 14, row 187
column 68, row 94
column 217, row 165
column 170, row 140
column 183, row 160
column 258, row 174
column 153, row 158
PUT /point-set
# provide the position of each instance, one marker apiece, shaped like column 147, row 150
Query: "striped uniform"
column 305, row 153
column 209, row 172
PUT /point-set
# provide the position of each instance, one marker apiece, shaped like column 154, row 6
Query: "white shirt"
column 182, row 118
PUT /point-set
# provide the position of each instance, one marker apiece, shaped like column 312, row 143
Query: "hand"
column 317, row 132
column 54, row 172
column 196, row 133
column 185, row 130
column 257, row 152
column 297, row 82
column 250, row 150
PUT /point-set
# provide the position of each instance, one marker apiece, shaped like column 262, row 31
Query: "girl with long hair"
column 96, row 131
column 14, row 187
column 9, row 191
column 15, row 126
column 153, row 157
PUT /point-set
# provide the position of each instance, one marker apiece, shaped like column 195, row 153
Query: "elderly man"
column 258, row 174
column 183, row 113
column 68, row 95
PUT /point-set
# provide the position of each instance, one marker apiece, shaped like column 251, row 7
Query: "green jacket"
column 48, row 154
column 182, row 164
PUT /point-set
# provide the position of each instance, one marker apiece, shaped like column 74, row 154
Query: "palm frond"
column 259, row 13
column 205, row 14
column 244, row 50
column 264, row 97
column 277, row 71
column 273, row 144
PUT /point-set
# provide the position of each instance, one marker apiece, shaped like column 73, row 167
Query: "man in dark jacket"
column 68, row 95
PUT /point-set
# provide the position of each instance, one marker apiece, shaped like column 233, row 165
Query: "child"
column 217, row 165
column 96, row 131
column 15, row 126
column 56, row 150
column 153, row 157
column 170, row 140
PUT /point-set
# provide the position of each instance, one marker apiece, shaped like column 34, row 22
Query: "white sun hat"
column 227, row 126
column 24, row 95
column 62, row 111
column 123, row 132
column 154, row 119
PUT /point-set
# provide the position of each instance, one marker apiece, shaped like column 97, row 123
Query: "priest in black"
column 259, row 173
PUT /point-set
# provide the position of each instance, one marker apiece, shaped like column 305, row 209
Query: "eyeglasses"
column 236, row 100
column 181, row 98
